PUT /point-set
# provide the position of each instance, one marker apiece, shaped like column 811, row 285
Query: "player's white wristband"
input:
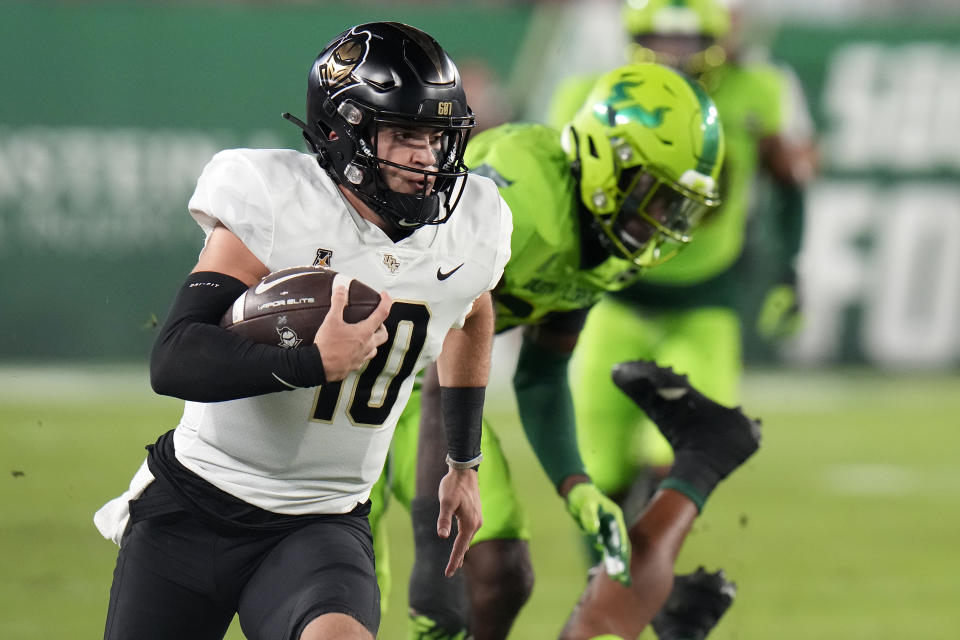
column 467, row 464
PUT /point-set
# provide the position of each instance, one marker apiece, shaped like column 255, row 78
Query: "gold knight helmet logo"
column 347, row 55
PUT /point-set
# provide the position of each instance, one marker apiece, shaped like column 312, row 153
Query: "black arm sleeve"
column 196, row 359
column 462, row 409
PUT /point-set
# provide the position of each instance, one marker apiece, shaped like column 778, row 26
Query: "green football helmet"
column 646, row 147
column 683, row 34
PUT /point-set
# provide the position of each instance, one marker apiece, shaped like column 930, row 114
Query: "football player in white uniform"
column 257, row 502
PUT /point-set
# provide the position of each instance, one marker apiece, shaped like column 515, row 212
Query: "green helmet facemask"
column 683, row 34
column 646, row 146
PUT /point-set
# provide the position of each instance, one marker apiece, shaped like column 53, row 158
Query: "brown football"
column 287, row 307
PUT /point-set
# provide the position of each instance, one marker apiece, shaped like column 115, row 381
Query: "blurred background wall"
column 110, row 110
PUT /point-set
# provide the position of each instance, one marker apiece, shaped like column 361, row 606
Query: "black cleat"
column 695, row 605
column 709, row 440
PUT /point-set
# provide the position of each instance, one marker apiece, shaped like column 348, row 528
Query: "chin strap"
column 306, row 131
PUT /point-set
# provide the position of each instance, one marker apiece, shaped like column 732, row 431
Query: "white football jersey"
column 320, row 450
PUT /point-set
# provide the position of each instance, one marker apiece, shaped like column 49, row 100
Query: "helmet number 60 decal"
column 376, row 389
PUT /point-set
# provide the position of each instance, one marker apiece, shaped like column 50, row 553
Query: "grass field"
column 845, row 525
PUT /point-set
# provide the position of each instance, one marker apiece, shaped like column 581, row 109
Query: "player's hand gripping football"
column 602, row 520
column 459, row 497
column 344, row 346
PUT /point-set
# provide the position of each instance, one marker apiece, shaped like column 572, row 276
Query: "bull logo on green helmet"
column 619, row 107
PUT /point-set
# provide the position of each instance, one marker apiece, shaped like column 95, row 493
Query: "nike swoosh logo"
column 266, row 286
column 443, row 276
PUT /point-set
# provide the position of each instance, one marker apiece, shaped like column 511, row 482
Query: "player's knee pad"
column 431, row 594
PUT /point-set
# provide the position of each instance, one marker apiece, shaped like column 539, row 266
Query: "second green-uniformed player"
column 617, row 191
column 686, row 313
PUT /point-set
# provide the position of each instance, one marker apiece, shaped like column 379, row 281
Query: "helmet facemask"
column 654, row 218
column 436, row 188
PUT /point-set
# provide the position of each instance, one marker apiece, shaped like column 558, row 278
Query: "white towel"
column 111, row 519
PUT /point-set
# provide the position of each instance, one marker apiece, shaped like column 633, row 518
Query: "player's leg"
column 317, row 582
column 438, row 606
column 486, row 596
column 703, row 343
column 608, row 607
column 710, row 441
column 163, row 584
column 686, row 606
column 498, row 564
column 335, row 626
column 609, row 424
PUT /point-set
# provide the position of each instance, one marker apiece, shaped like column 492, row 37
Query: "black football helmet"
column 388, row 73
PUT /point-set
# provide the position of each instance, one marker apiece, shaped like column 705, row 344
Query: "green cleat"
column 425, row 628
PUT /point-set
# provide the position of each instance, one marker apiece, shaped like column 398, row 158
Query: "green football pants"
column 616, row 439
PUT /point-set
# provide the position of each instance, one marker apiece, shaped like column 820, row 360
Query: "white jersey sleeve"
column 232, row 191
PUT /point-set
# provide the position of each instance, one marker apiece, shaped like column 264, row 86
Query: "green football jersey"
column 749, row 100
column 544, row 274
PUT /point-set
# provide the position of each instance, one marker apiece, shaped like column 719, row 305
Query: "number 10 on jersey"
column 375, row 390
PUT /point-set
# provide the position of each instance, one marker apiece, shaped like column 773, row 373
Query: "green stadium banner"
column 109, row 111
column 881, row 262
column 108, row 114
